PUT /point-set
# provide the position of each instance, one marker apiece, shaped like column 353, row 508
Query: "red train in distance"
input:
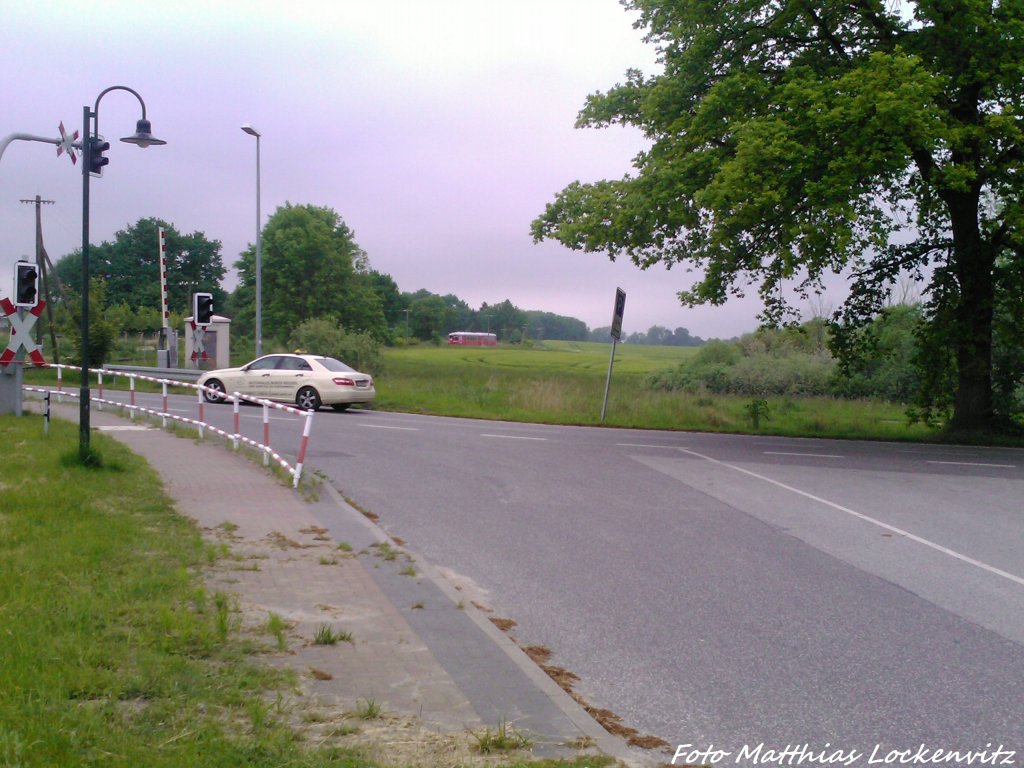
column 473, row 339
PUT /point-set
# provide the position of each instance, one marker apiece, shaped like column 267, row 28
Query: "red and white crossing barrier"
column 236, row 438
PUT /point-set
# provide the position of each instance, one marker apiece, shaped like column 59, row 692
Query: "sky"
column 437, row 129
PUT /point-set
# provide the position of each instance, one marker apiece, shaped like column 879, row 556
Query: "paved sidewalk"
column 419, row 647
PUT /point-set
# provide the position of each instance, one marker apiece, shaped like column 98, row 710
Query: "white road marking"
column 973, row 464
column 811, row 455
column 516, row 437
column 643, row 445
column 385, row 426
column 866, row 518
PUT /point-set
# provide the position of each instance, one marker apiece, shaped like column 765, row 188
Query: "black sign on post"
column 620, row 308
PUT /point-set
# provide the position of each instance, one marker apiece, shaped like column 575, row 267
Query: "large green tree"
column 311, row 267
column 130, row 267
column 791, row 139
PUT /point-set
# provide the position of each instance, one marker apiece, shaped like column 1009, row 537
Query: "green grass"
column 564, row 383
column 112, row 652
column 326, row 635
column 561, row 382
column 502, row 739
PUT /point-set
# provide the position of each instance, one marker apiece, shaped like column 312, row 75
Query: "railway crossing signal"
column 202, row 309
column 97, row 146
column 26, row 284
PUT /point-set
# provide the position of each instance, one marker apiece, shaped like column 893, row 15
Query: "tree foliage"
column 311, row 267
column 325, row 336
column 548, row 325
column 790, row 140
column 658, row 335
column 130, row 268
column 102, row 330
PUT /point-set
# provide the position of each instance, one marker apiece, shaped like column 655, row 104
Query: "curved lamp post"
column 259, row 247
column 143, row 137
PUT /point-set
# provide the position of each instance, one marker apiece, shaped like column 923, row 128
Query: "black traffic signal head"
column 97, row 146
column 26, row 284
column 202, row 308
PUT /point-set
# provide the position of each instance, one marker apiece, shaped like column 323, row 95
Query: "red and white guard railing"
column 236, row 437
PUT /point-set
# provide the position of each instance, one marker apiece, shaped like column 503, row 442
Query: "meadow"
column 562, row 382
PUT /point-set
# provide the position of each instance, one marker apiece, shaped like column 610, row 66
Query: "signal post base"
column 11, row 377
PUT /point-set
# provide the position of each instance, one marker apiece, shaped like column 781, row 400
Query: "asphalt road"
column 726, row 591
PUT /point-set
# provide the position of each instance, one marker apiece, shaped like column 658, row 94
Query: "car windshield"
column 333, row 365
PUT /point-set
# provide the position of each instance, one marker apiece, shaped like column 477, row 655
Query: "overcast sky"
column 437, row 129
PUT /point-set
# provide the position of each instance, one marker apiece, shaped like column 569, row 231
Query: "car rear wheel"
column 213, row 397
column 308, row 399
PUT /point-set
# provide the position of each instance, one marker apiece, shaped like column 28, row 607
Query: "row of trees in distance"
column 321, row 293
column 312, row 267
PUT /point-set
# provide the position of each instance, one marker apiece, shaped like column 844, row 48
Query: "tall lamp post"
column 259, row 247
column 93, row 148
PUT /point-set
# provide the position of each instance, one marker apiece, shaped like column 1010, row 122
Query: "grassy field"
column 564, row 382
column 112, row 652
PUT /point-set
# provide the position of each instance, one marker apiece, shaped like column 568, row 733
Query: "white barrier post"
column 99, row 405
column 236, row 436
column 266, row 434
column 60, row 383
column 302, row 446
column 202, row 420
column 163, row 416
column 131, row 384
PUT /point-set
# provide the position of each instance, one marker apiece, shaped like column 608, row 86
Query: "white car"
column 309, row 381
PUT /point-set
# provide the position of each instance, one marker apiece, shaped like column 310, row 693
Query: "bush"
column 792, row 374
column 775, row 363
column 324, row 336
column 879, row 359
column 707, row 369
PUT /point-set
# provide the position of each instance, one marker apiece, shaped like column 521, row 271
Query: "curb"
column 603, row 741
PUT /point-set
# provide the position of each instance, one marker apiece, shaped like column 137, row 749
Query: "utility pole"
column 41, row 261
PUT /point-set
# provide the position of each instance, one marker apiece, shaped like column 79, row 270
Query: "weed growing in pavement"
column 385, row 551
column 326, row 635
column 277, row 626
column 504, row 738
column 369, row 709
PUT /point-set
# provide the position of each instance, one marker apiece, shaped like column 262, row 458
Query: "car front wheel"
column 308, row 399
column 215, row 396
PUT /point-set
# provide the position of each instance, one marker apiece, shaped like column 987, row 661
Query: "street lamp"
column 143, row 137
column 259, row 247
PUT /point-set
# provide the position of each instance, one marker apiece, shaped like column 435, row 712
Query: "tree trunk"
column 972, row 405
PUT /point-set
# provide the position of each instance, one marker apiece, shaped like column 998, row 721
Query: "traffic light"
column 202, row 309
column 97, row 146
column 26, row 284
